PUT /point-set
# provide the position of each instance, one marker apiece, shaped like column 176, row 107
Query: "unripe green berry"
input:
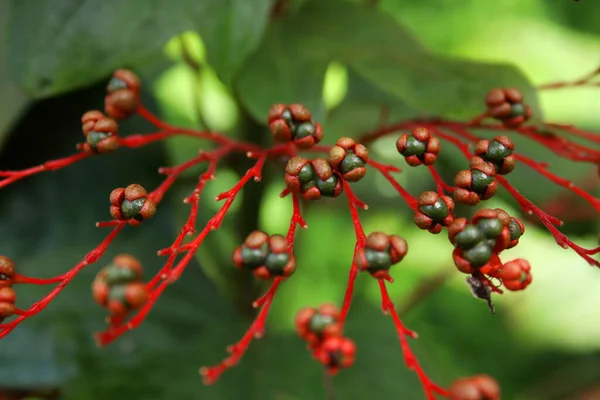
column 490, row 227
column 515, row 230
column 319, row 322
column 378, row 260
column 328, row 186
column 254, row 257
column 306, row 174
column 479, row 255
column 436, row 211
column 496, row 152
column 350, row 162
column 414, row 147
column 304, row 129
column 469, row 237
column 275, row 262
column 480, row 181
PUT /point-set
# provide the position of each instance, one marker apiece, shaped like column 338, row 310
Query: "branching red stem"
column 360, row 242
column 385, row 171
column 13, row 176
column 429, row 387
column 90, row 258
column 583, row 81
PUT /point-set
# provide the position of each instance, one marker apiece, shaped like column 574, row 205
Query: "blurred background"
column 218, row 65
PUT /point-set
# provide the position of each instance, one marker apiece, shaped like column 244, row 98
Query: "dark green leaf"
column 278, row 73
column 388, row 56
column 232, row 32
column 58, row 46
column 12, row 99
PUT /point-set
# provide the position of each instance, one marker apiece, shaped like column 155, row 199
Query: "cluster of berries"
column 118, row 286
column 320, row 329
column 266, row 256
column 7, row 293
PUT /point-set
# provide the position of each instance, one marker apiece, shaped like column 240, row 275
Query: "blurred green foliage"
column 219, row 65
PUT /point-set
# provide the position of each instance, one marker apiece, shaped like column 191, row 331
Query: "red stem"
column 90, row 258
column 583, row 81
column 385, row 171
column 360, row 242
column 53, row 165
column 256, row 330
column 211, row 374
column 429, row 387
column 441, row 186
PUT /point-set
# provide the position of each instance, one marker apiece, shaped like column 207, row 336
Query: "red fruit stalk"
column 211, row 374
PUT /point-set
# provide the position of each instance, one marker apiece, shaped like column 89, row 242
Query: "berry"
column 131, row 204
column 516, row 229
column 476, row 242
column 349, row 159
column 100, row 132
column 419, row 147
column 312, row 179
column 315, row 324
column 122, row 96
column 335, row 353
column 479, row 387
column 7, row 302
column 118, row 286
column 506, row 105
column 379, row 253
column 266, row 256
column 7, row 272
column 434, row 211
column 293, row 123
column 515, row 275
column 475, row 184
column 498, row 152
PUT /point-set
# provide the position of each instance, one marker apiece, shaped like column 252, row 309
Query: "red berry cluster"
column 379, row 253
column 507, row 105
column 294, row 123
column 7, row 294
column 489, row 233
column 320, row 328
column 479, row 387
column 122, row 94
column 419, row 147
column 100, row 133
column 118, row 286
column 131, row 204
column 266, row 256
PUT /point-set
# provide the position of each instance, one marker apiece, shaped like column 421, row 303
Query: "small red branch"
column 360, row 242
column 211, row 374
column 385, row 171
column 583, row 81
column 441, row 186
column 63, row 280
column 256, row 331
column 13, row 176
column 429, row 387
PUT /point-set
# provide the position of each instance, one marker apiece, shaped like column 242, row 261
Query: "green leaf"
column 12, row 99
column 278, row 72
column 66, row 44
column 232, row 32
column 389, row 57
